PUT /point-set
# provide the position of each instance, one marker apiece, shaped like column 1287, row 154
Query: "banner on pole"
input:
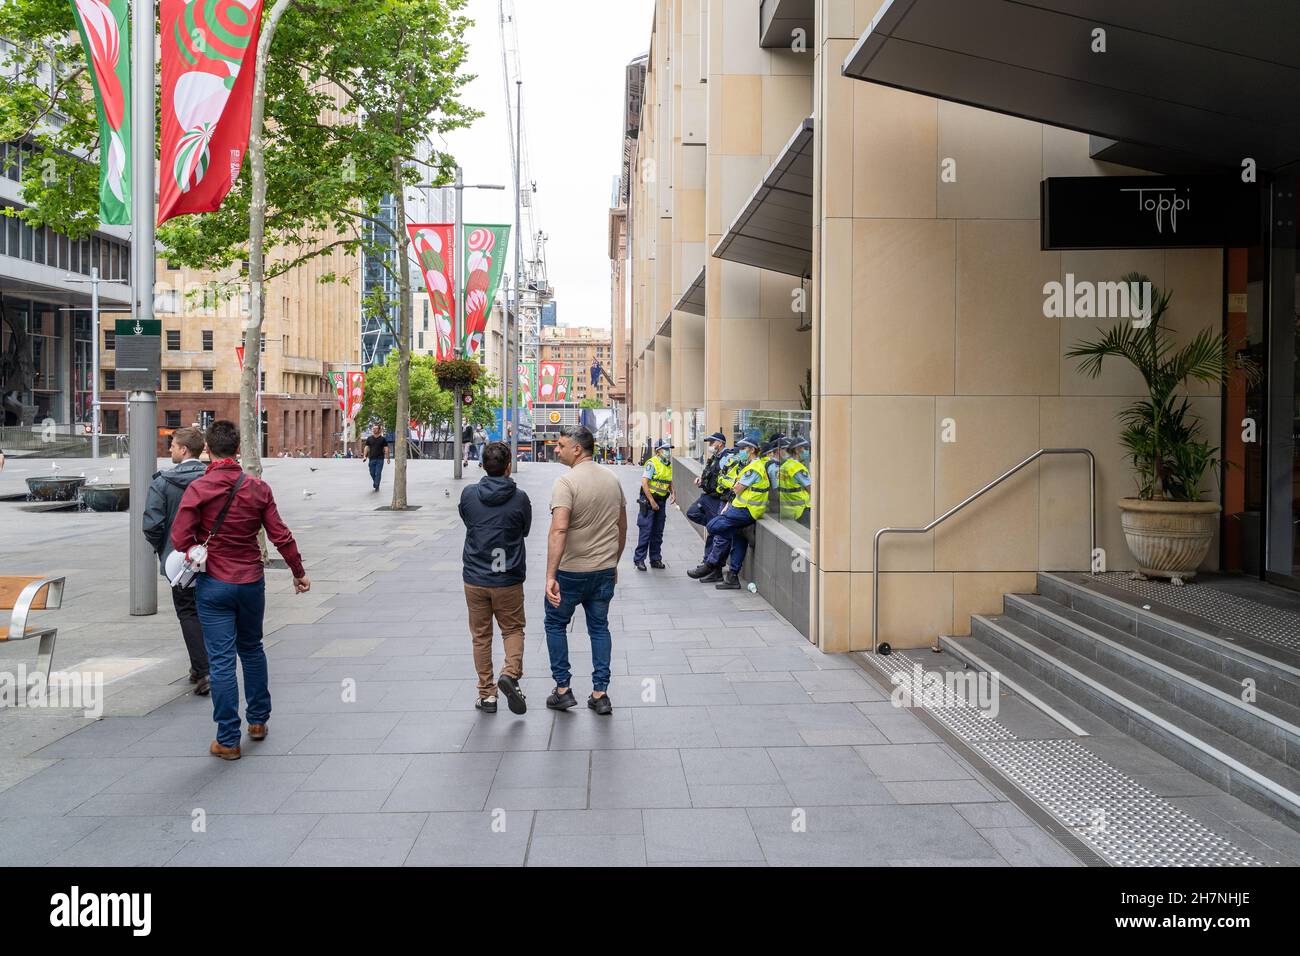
column 526, row 378
column 484, row 264
column 356, row 390
column 562, row 389
column 339, row 383
column 548, row 379
column 208, row 53
column 105, row 38
column 435, row 252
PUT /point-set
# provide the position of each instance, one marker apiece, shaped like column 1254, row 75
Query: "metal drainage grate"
column 1123, row 821
column 1270, row 624
column 953, row 711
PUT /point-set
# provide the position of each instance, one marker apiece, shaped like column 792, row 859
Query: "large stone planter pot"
column 1169, row 539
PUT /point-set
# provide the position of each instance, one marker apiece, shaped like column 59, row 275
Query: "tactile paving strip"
column 1123, row 821
column 1272, row 625
column 953, row 711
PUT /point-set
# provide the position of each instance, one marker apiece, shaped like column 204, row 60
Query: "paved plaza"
column 733, row 740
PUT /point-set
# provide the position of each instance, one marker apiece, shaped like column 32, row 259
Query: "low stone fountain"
column 54, row 488
column 98, row 497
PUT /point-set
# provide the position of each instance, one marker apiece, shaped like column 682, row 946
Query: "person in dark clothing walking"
column 231, row 590
column 375, row 452
column 160, row 511
column 498, row 517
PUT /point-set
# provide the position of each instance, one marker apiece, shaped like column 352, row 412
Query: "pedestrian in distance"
column 375, row 451
column 712, row 499
column 497, row 516
column 224, row 510
column 656, row 494
column 165, row 493
column 745, row 509
column 583, row 548
column 467, row 444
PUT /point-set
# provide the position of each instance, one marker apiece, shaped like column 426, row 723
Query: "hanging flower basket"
column 457, row 373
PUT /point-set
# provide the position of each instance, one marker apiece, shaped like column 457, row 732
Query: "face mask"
column 743, row 454
column 805, row 455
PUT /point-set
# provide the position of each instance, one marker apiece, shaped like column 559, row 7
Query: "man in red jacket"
column 231, row 592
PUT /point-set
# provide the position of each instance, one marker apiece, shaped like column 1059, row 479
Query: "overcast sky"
column 572, row 56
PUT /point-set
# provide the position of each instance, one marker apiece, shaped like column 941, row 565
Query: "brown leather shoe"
column 257, row 731
column 225, row 753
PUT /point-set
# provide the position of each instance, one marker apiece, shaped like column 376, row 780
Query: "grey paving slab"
column 638, row 778
column 912, row 762
column 498, row 838
column 827, row 776
column 699, row 835
column 1028, row 846
column 459, row 781
column 587, row 849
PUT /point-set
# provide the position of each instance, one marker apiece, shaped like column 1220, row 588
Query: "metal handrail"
column 875, row 548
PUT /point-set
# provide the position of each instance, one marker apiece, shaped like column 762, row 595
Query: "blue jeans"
column 231, row 615
column 704, row 510
column 728, row 529
column 376, row 470
column 650, row 531
column 593, row 590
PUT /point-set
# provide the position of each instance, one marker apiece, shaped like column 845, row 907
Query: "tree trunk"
column 249, row 426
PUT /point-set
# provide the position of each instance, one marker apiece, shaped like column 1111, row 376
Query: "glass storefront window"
column 792, row 470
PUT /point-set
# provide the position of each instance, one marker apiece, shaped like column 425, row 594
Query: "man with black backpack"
column 224, row 510
column 160, row 511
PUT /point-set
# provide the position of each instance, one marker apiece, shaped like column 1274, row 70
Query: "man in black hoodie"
column 164, row 499
column 497, row 516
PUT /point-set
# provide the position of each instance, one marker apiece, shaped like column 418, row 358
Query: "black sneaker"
column 514, row 696
column 486, row 704
column 639, row 565
column 730, row 582
column 658, row 565
column 700, row 570
column 714, row 575
column 600, row 705
column 558, row 701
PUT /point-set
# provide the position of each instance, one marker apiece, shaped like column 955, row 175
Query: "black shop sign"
column 1149, row 212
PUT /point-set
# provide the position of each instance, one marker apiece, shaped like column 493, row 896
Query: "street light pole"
column 143, row 403
column 94, row 362
column 458, row 313
column 519, row 245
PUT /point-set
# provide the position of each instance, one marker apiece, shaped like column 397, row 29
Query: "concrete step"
column 1227, row 761
column 1275, row 670
column 1267, row 723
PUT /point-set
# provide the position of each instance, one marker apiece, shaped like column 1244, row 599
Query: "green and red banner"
column 563, row 388
column 435, row 251
column 548, row 379
column 527, row 376
column 208, row 53
column 105, row 36
column 485, row 261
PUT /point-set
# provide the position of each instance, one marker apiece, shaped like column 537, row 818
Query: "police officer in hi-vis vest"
column 794, row 480
column 656, row 495
column 714, row 491
column 746, row 508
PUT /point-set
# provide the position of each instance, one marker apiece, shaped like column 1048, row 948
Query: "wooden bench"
column 22, row 595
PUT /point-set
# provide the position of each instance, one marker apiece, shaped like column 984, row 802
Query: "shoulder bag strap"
column 221, row 516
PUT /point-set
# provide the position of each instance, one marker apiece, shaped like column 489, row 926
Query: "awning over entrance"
column 779, row 21
column 692, row 299
column 774, row 229
column 1199, row 77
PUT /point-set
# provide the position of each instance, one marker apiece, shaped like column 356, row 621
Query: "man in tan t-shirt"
column 588, row 533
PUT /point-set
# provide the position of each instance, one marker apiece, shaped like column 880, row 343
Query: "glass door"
column 1282, row 450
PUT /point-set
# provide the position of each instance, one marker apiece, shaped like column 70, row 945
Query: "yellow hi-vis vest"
column 794, row 496
column 727, row 476
column 754, row 498
column 663, row 477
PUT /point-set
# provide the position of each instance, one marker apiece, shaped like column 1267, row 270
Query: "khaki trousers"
column 507, row 605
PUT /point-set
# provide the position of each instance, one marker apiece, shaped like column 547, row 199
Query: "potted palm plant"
column 1167, row 526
